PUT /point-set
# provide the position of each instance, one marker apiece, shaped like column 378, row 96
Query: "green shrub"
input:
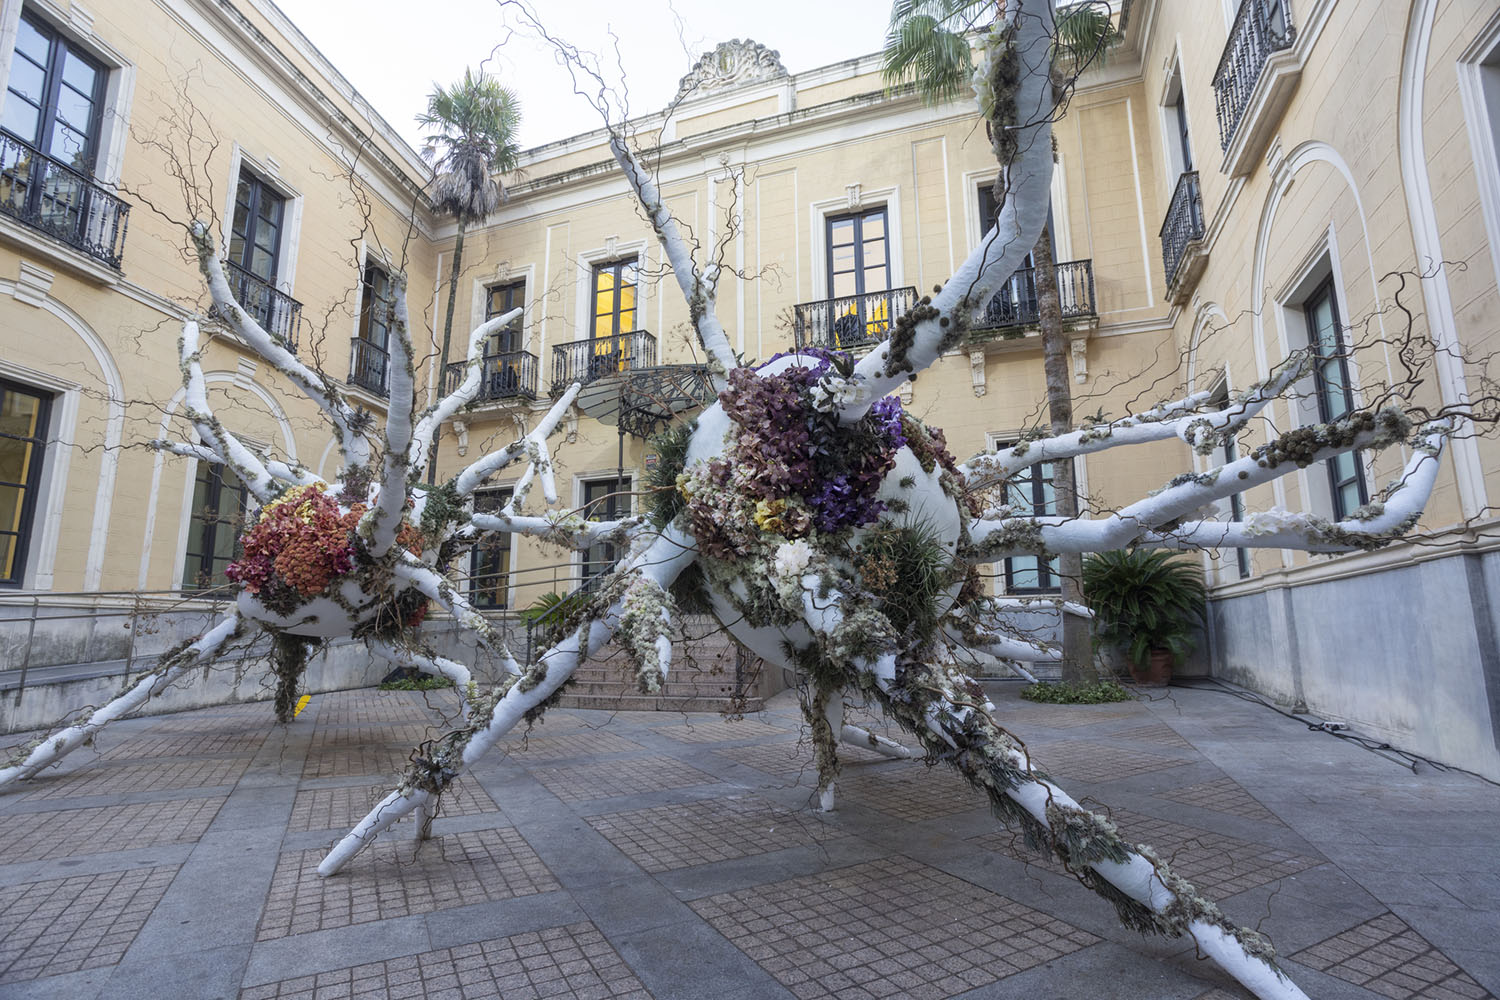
column 1145, row 599
column 1075, row 694
column 426, row 682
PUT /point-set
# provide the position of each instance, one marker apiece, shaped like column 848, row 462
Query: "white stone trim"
column 1482, row 138
column 114, row 430
column 1426, row 238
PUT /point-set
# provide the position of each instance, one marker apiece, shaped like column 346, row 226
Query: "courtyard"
column 636, row 854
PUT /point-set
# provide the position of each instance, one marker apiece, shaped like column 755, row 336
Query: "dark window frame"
column 617, row 268
column 31, row 481
column 1331, row 357
column 209, row 519
column 610, row 500
column 492, row 559
column 259, row 189
column 511, row 295
column 858, row 218
column 1030, row 489
column 370, row 296
column 59, row 47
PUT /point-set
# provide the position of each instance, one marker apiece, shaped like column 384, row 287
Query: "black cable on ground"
column 1380, row 748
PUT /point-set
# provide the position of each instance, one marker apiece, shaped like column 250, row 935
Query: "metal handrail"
column 48, row 195
column 1016, row 303
column 1252, row 40
column 369, row 367
column 276, row 311
column 851, row 322
column 600, row 357
column 511, row 375
column 1183, row 224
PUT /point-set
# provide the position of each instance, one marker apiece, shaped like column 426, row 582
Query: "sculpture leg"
column 172, row 666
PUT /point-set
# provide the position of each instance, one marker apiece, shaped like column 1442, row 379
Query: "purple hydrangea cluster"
column 797, row 451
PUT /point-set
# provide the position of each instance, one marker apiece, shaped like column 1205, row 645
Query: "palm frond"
column 471, row 136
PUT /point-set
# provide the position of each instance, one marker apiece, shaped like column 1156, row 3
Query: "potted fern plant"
column 1150, row 603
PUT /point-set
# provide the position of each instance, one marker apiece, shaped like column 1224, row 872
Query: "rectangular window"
column 50, row 139
column 54, row 97
column 255, row 233
column 218, row 518
column 603, row 500
column 489, row 560
column 23, row 445
column 859, row 276
column 1015, row 303
column 1346, row 477
column 614, row 301
column 1030, row 492
column 370, row 357
column 501, row 299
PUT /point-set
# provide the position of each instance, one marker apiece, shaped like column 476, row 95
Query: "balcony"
column 1254, row 80
column 50, row 197
column 275, row 311
column 1015, row 306
column 503, row 377
column 853, row 322
column 1182, row 250
column 369, row 367
column 590, row 360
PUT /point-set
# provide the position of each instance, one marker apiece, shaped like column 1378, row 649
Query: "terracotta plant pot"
column 1157, row 671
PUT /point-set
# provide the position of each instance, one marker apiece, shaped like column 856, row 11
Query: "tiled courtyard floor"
column 676, row 857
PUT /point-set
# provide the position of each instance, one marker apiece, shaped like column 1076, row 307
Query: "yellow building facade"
column 1238, row 180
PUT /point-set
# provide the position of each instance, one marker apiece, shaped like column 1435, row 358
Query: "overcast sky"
column 394, row 50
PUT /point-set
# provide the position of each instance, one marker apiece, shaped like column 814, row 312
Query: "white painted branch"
column 415, row 573
column 315, row 385
column 568, row 530
column 858, row 736
column 1282, row 529
column 1136, row 878
column 469, row 480
column 1178, row 419
column 696, row 289
column 662, row 560
column 427, row 663
column 1004, row 605
column 445, row 408
column 382, row 524
column 1148, row 518
column 1004, row 248
column 216, row 437
column 59, row 744
column 296, row 475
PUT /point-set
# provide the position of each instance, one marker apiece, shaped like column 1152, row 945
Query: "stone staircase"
column 709, row 673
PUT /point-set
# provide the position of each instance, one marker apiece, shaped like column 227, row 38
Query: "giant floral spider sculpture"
column 829, row 531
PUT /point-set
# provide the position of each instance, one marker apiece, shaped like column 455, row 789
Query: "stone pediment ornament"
column 731, row 64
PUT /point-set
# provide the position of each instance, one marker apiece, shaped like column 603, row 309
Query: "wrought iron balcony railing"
column 1184, row 223
column 275, row 311
column 852, row 322
column 1260, row 28
column 68, row 206
column 1015, row 305
column 369, row 367
column 503, row 376
column 588, row 360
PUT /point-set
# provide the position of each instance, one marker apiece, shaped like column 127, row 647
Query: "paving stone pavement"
column 678, row 857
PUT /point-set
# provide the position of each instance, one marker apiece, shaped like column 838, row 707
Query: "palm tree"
column 472, row 136
column 928, row 43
